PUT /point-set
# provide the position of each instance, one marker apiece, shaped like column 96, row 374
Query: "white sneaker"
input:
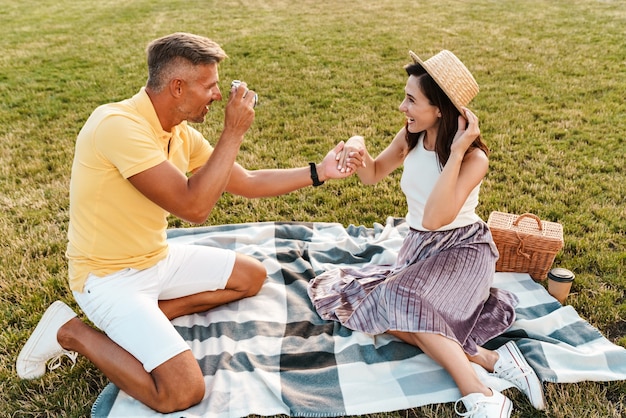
column 42, row 346
column 512, row 366
column 478, row 405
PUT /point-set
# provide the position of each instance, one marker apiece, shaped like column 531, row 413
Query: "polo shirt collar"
column 146, row 109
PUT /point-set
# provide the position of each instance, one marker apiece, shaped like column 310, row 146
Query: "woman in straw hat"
column 438, row 295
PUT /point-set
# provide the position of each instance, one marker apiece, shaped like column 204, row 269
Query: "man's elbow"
column 197, row 220
column 194, row 215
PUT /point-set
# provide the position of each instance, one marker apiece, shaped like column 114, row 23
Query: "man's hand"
column 349, row 160
column 239, row 113
column 351, row 156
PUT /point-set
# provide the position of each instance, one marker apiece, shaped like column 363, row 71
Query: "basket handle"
column 520, row 248
column 529, row 215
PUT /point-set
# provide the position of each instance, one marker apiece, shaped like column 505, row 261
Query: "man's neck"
column 162, row 108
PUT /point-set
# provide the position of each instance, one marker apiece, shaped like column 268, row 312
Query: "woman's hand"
column 329, row 169
column 351, row 156
column 466, row 134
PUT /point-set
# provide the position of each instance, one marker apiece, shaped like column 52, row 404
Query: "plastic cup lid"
column 561, row 275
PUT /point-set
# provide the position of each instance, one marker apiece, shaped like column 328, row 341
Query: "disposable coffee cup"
column 559, row 283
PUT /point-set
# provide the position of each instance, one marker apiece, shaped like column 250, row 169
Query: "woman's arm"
column 461, row 174
column 372, row 170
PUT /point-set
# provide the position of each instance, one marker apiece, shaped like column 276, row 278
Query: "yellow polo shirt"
column 112, row 225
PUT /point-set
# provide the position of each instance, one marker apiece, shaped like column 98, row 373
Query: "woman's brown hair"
column 448, row 123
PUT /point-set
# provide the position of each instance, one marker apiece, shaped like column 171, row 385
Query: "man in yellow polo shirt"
column 131, row 170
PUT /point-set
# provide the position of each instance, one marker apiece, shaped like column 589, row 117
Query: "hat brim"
column 452, row 95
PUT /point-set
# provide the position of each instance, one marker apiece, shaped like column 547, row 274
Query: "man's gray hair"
column 179, row 49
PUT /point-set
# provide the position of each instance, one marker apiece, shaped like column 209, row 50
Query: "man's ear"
column 176, row 87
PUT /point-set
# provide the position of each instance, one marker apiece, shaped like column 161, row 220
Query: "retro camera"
column 236, row 84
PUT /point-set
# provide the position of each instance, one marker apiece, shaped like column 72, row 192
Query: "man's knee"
column 179, row 383
column 250, row 274
column 257, row 278
column 181, row 399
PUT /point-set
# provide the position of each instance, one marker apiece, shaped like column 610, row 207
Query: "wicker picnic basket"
column 526, row 243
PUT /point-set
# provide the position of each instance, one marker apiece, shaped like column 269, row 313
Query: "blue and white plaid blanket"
column 271, row 354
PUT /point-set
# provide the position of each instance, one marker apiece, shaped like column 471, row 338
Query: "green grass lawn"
column 552, row 107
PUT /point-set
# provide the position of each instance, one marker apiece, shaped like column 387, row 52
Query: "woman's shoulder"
column 476, row 161
column 476, row 154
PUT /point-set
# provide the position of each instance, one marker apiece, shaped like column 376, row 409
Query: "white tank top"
column 421, row 171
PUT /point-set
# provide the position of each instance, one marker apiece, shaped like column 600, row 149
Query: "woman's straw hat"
column 451, row 75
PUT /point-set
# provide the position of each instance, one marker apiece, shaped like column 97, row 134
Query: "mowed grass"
column 552, row 75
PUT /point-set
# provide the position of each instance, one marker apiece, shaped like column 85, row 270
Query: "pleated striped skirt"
column 440, row 283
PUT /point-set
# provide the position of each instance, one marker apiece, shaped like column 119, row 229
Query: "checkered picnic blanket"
column 272, row 354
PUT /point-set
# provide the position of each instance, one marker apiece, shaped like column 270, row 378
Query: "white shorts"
column 125, row 304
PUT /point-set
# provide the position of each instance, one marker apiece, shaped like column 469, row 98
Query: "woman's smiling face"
column 421, row 114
